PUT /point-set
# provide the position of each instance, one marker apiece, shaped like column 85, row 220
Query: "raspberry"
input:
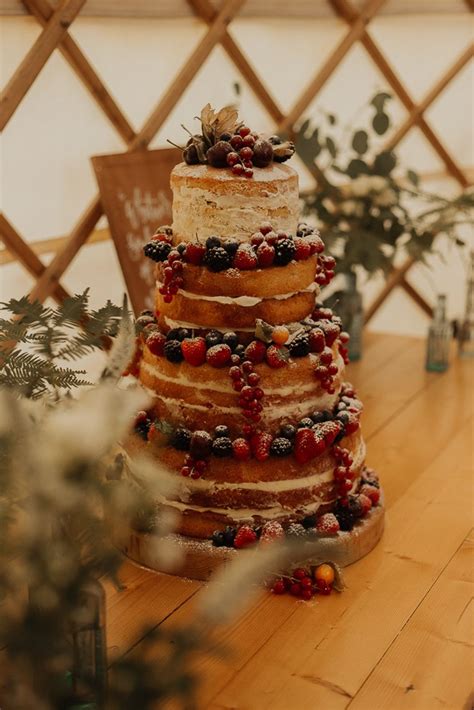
column 222, row 446
column 260, row 445
column 219, row 355
column 365, row 503
column 284, row 251
column 299, row 346
column 194, row 253
column 245, row 258
column 281, row 447
column 156, row 343
column 241, row 449
column 272, row 531
column 194, row 351
column 277, row 356
column 245, row 536
column 265, row 254
column 303, row 249
column 328, row 524
column 371, row 492
column 172, row 351
column 157, row 250
column 255, row 352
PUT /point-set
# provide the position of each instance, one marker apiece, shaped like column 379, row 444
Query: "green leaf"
column 360, row 142
column 413, row 177
column 380, row 123
column 331, row 146
column 357, row 167
column 379, row 101
column 384, row 163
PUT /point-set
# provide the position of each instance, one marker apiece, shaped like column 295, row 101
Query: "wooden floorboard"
column 331, row 651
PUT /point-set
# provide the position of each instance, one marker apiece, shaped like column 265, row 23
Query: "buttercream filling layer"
column 242, row 301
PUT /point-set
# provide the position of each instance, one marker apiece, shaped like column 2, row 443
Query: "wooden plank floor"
column 401, row 636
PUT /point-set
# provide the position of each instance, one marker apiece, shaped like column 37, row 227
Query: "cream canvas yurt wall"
column 138, row 48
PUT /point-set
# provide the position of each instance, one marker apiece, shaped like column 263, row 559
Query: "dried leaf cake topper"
column 225, row 142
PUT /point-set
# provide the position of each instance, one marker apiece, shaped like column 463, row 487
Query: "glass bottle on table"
column 439, row 338
column 466, row 328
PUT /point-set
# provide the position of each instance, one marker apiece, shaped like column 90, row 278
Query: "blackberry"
column 281, row 446
column 221, row 430
column 229, row 536
column 181, row 439
column 299, row 346
column 173, row 351
column 305, row 423
column 218, row 538
column 157, row 251
column 309, row 522
column 355, row 507
column 218, row 259
column 142, row 428
column 213, row 338
column 231, row 246
column 222, row 446
column 231, row 340
column 320, row 417
column 288, row 431
column 284, row 251
column 213, row 242
column 178, row 334
column 345, row 517
column 295, row 530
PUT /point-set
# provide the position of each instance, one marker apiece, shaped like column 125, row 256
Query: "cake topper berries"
column 225, row 142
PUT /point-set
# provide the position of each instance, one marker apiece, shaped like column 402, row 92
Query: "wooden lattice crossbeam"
column 56, row 21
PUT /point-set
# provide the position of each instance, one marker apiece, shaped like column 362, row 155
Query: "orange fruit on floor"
column 324, row 573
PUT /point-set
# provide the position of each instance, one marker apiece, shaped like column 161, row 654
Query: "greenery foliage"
column 367, row 210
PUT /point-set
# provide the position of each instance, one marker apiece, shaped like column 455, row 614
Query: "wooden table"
column 401, row 635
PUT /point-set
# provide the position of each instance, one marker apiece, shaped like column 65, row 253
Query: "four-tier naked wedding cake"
column 250, row 407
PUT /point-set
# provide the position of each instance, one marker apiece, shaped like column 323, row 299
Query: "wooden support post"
column 25, row 255
column 36, row 58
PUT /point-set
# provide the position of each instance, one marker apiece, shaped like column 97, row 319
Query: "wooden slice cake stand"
column 201, row 558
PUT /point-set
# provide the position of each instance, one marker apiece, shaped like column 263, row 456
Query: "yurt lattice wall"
column 56, row 21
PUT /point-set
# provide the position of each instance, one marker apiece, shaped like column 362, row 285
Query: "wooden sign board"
column 136, row 197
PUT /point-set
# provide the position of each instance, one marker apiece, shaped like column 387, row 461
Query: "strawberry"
column 277, row 356
column 329, row 431
column 241, row 449
column 194, row 351
column 307, row 445
column 194, row 253
column 156, row 343
column 317, row 341
column 219, row 355
column 260, row 445
column 352, row 423
column 245, row 536
column 328, row 524
column 265, row 254
column 255, row 351
column 272, row 531
column 303, row 249
column 371, row 492
column 245, row 258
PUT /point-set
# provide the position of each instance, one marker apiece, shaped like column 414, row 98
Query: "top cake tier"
column 209, row 201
